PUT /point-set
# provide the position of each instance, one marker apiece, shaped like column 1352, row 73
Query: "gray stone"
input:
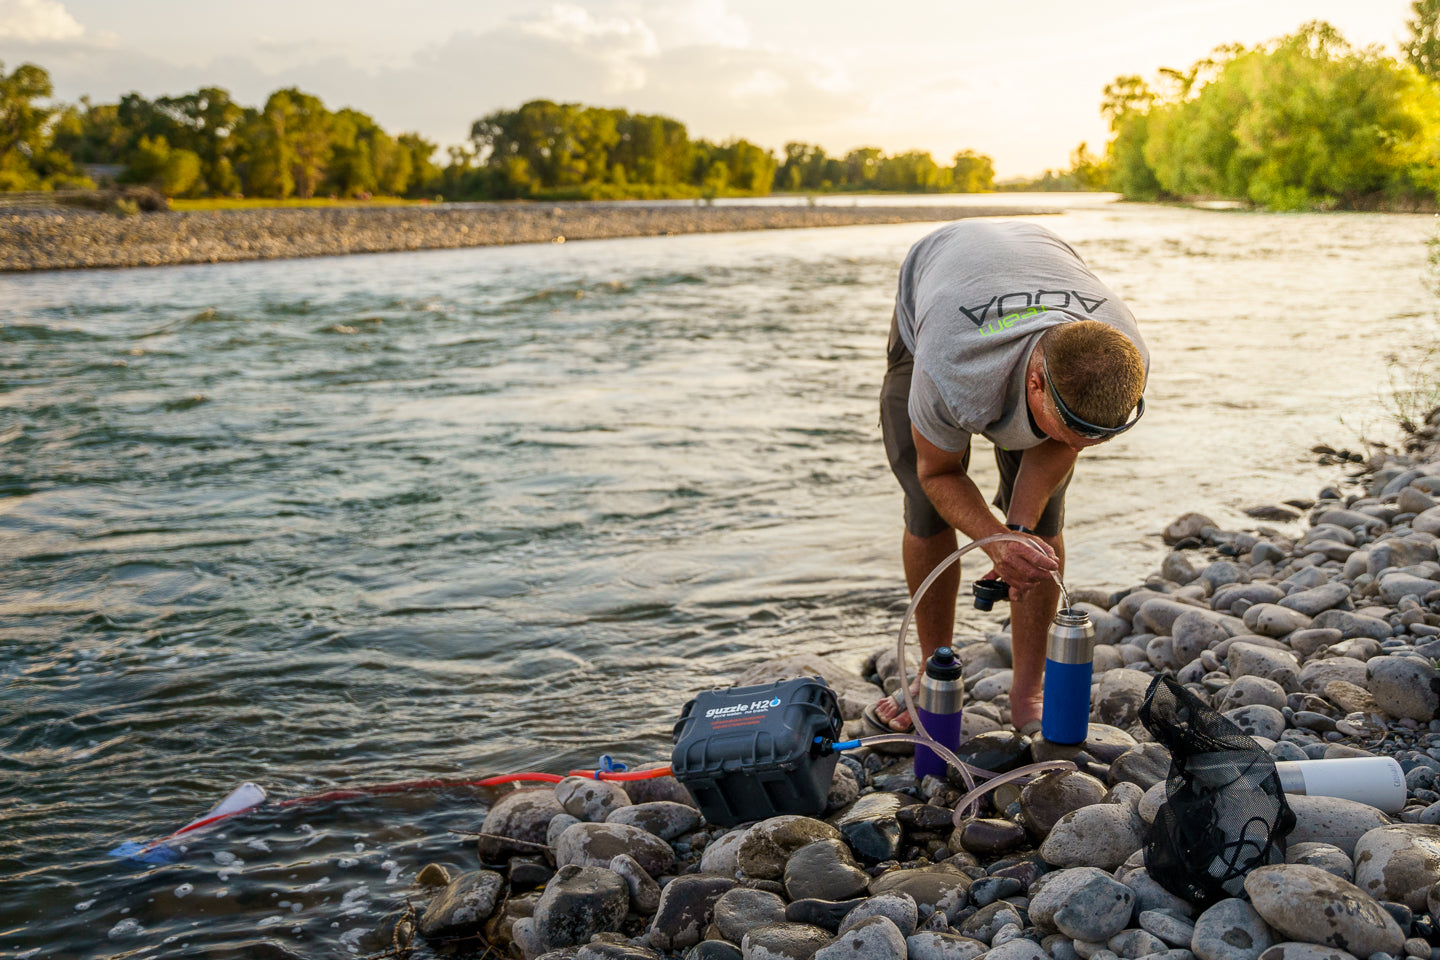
column 461, row 909
column 523, row 815
column 1427, row 522
column 988, row 921
column 899, row 908
column 987, row 838
column 614, row 946
column 873, row 938
column 1192, row 633
column 828, row 914
column 1274, row 620
column 1084, row 903
column 1251, row 691
column 1050, row 796
column 664, row 818
column 870, row 826
column 1399, row 862
column 687, row 906
column 1327, row 857
column 844, row 788
column 1354, row 625
column 1103, row 835
column 1158, row 614
column 1221, row 573
column 938, row 886
column 653, row 789
column 933, row 945
column 1291, row 950
column 1174, row 930
column 1118, row 698
column 743, row 909
column 1018, row 949
column 1307, row 904
column 1317, row 600
column 1136, row 943
column 1254, row 660
column 1144, row 765
column 1333, row 820
column 596, row 844
column 558, row 824
column 1109, row 628
column 644, row 891
column 590, row 800
column 1103, row 742
column 768, row 844
column 1306, row 642
column 1394, row 586
column 1149, row 895
column 1231, row 930
column 720, row 856
column 1317, row 673
column 783, row 941
column 824, row 870
column 579, row 902
column 1405, row 687
column 1244, row 595
column 1258, row 721
column 1185, row 526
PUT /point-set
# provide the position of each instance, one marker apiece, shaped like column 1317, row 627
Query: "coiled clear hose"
column 968, row 774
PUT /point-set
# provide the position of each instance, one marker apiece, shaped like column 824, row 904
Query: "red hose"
column 629, row 775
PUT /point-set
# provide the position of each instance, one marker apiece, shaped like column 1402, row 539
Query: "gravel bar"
column 66, row 240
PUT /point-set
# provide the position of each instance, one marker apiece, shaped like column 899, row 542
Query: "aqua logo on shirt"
column 1004, row 311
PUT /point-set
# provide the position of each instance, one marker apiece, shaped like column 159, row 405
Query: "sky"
column 1019, row 81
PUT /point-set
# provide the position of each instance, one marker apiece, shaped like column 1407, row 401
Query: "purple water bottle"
column 1069, row 665
column 939, row 708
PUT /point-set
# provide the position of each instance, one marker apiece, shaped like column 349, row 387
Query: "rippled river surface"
column 344, row 521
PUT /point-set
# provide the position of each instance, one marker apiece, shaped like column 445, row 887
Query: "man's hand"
column 1023, row 564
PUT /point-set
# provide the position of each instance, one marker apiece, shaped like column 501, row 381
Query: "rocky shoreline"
column 1318, row 644
column 73, row 239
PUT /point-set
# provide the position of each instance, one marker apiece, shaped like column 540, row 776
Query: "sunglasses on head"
column 1085, row 428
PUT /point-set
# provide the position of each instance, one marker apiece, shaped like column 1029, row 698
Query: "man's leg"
column 934, row 620
column 1030, row 619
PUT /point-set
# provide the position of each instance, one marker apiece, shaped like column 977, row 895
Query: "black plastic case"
column 748, row 753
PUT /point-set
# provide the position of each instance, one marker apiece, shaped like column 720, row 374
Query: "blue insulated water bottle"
column 939, row 708
column 1069, row 665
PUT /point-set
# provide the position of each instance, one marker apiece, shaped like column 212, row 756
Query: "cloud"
column 37, row 21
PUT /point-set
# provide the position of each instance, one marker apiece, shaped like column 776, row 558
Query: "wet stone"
column 999, row 751
column 988, row 838
column 784, row 941
column 1103, row 743
column 644, row 891
column 743, row 909
column 596, row 844
column 714, row 950
column 766, row 847
column 925, row 816
column 720, row 856
column 826, row 914
column 1052, row 795
column 871, row 826
column 940, row 885
column 824, row 870
column 523, row 815
column 942, row 945
column 461, row 909
column 898, row 908
column 590, row 800
column 665, row 819
column 987, row 890
column 578, row 903
column 1144, row 765
column 988, row 920
column 686, row 909
column 527, row 873
column 612, row 946
column 1118, row 698
column 874, row 938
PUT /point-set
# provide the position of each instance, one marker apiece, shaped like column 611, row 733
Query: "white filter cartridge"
column 1376, row 781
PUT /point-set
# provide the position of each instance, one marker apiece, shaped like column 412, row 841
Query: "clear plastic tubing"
column 967, row 773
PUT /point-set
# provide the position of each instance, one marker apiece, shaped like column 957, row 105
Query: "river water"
column 344, row 521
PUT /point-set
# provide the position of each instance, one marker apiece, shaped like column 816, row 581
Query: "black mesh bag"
column 1225, row 813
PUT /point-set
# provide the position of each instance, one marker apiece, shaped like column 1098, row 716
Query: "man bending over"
column 1000, row 330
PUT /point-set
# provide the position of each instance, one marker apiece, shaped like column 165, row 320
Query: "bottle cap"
column 943, row 665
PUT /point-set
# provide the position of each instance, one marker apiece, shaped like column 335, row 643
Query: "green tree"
column 25, row 127
column 912, row 172
column 972, row 172
column 1422, row 49
column 174, row 171
column 1126, row 103
column 289, row 145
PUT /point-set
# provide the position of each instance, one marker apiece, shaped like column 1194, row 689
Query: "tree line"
column 1303, row 122
column 205, row 144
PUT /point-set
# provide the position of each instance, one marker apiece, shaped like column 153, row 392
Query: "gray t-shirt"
column 973, row 300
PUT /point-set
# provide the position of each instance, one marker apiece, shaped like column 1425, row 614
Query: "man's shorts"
column 921, row 519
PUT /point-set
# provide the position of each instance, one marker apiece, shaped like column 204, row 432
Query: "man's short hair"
column 1096, row 370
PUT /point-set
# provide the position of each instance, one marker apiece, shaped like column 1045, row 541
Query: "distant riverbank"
column 66, row 240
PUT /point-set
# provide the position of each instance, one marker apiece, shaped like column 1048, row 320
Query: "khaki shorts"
column 922, row 519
